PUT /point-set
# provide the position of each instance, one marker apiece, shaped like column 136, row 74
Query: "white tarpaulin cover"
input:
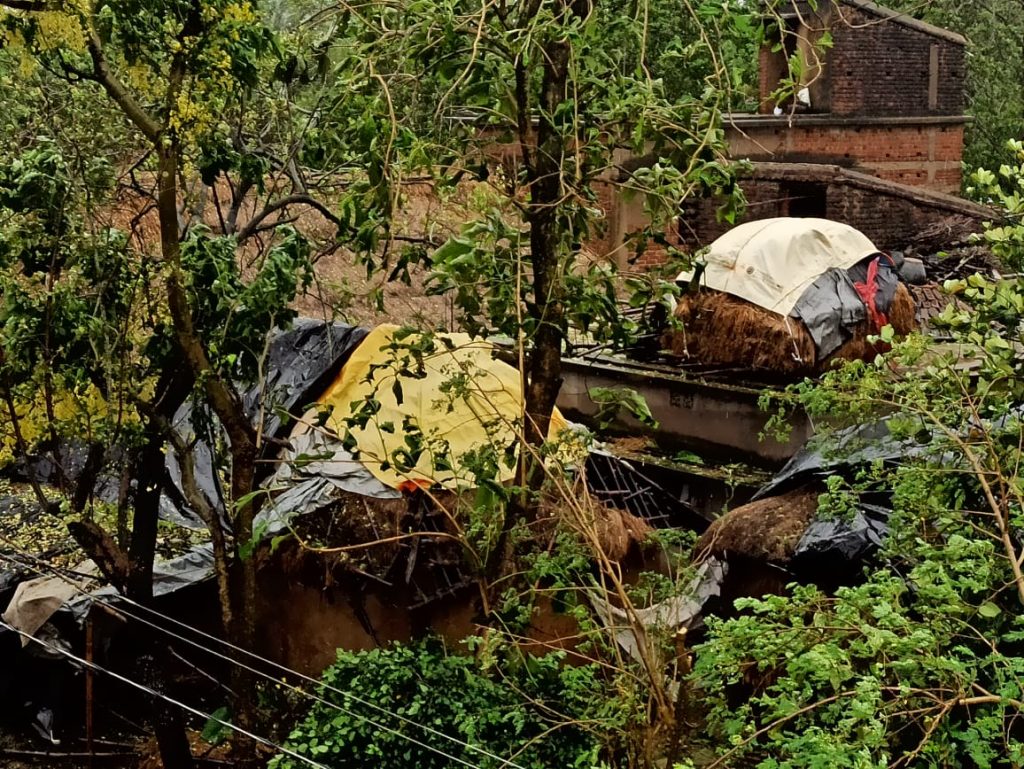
column 771, row 262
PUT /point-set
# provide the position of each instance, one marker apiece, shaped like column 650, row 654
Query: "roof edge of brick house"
column 836, row 174
column 901, row 17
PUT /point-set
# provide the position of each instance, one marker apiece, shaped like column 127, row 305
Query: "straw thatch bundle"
column 903, row 319
column 620, row 533
column 724, row 330
column 766, row 531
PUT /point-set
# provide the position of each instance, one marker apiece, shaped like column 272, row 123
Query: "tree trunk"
column 243, row 609
column 226, row 403
column 168, row 721
column 132, row 571
column 543, row 162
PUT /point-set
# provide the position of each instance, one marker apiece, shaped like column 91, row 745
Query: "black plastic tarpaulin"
column 830, row 542
column 301, row 362
column 830, row 308
column 839, row 453
column 846, row 540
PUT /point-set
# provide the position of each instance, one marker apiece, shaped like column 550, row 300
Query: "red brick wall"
column 699, row 224
column 879, row 67
column 889, row 220
column 875, row 66
column 920, row 153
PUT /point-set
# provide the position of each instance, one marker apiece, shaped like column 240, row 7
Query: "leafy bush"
column 535, row 711
column 921, row 664
column 1004, row 189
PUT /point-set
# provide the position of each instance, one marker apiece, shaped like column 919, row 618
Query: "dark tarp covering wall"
column 301, row 362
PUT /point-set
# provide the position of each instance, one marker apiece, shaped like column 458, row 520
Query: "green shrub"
column 922, row 664
column 536, row 711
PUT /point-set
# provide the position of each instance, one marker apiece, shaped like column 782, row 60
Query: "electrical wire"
column 154, row 693
column 303, row 692
column 503, row 762
column 298, row 690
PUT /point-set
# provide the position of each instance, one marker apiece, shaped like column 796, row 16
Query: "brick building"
column 890, row 213
column 887, row 97
column 875, row 138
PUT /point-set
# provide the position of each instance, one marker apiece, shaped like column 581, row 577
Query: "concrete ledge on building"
column 838, row 175
column 754, row 121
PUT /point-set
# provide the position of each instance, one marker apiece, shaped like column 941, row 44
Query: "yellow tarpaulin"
column 431, row 403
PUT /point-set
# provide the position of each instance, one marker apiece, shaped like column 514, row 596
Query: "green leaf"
column 214, row 731
column 989, row 610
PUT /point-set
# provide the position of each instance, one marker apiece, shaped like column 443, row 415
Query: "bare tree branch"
column 289, row 200
column 26, row 5
column 117, row 90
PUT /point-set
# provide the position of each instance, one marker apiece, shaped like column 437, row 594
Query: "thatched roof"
column 767, row 530
column 721, row 329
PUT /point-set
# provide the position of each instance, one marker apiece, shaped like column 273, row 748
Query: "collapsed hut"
column 362, row 529
column 790, row 296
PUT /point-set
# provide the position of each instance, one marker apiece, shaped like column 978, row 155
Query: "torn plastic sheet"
column 312, row 472
column 169, row 577
column 838, row 452
column 681, row 611
column 837, row 541
column 36, row 600
column 301, row 362
column 173, row 505
column 850, row 448
column 830, row 308
column 849, row 541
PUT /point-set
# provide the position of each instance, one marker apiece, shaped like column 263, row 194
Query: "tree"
column 195, row 88
column 536, row 85
column 225, row 133
column 919, row 664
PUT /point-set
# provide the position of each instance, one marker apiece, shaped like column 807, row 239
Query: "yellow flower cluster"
column 240, row 13
column 59, row 30
column 190, row 116
column 83, row 407
column 142, row 80
column 14, row 42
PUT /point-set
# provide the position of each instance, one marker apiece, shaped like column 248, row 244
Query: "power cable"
column 298, row 690
column 269, row 677
column 504, row 762
column 154, row 693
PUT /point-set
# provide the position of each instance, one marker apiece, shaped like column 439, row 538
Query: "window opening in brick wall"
column 797, row 41
column 804, row 199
